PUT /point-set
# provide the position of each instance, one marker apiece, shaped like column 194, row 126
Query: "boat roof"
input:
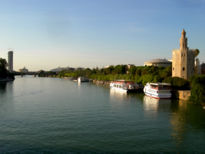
column 160, row 84
column 119, row 81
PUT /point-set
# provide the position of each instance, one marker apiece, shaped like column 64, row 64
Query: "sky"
column 45, row 34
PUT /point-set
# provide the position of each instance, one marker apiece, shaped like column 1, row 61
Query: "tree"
column 198, row 89
column 3, row 64
column 178, row 83
column 120, row 69
column 3, row 71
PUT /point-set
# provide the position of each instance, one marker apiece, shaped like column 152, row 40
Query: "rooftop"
column 158, row 61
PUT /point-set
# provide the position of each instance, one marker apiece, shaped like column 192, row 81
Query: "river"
column 42, row 115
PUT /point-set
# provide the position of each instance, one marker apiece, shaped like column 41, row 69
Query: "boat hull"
column 119, row 89
column 158, row 94
column 124, row 86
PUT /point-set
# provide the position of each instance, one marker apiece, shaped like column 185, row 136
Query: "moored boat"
column 124, row 86
column 158, row 90
column 82, row 79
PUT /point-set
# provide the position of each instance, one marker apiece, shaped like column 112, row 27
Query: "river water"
column 42, row 115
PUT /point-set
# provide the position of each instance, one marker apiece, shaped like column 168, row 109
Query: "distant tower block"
column 10, row 61
column 183, row 59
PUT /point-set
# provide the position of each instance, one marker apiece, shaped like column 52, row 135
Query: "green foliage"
column 178, row 83
column 198, row 89
column 3, row 71
column 139, row 74
column 120, row 69
column 46, row 74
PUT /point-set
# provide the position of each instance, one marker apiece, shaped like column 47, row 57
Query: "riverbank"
column 138, row 74
column 8, row 79
column 101, row 83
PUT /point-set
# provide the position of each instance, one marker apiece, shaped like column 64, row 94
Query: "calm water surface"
column 40, row 115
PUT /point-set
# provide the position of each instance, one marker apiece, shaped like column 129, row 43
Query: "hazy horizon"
column 93, row 33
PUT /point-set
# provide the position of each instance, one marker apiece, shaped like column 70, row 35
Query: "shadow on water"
column 6, row 86
column 6, row 89
column 6, row 98
column 3, row 87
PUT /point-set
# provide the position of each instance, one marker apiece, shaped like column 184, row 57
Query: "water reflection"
column 119, row 95
column 188, row 117
column 153, row 104
column 150, row 103
column 178, row 124
column 135, row 121
column 6, row 98
column 79, row 84
column 185, row 117
column 2, row 87
column 5, row 88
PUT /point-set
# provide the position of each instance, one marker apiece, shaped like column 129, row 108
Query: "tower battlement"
column 183, row 59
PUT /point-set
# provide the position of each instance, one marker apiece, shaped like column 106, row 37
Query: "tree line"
column 4, row 73
column 139, row 74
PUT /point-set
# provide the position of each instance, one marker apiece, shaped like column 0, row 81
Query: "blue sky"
column 45, row 34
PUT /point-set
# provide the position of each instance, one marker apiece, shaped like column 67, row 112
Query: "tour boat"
column 124, row 86
column 158, row 90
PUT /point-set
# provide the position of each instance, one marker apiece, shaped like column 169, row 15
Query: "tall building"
column 183, row 59
column 10, row 61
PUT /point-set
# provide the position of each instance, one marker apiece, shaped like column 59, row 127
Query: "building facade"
column 158, row 62
column 10, row 61
column 183, row 59
column 23, row 70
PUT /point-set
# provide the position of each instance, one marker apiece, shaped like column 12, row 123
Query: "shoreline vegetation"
column 138, row 74
column 5, row 75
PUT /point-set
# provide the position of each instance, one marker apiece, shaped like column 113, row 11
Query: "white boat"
column 158, row 90
column 124, row 86
column 82, row 79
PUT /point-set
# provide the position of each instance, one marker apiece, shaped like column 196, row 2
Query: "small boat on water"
column 124, row 86
column 82, row 79
column 158, row 90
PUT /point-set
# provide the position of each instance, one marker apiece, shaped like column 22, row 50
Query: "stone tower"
column 183, row 59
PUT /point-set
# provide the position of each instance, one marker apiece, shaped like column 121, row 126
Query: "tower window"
column 183, row 69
